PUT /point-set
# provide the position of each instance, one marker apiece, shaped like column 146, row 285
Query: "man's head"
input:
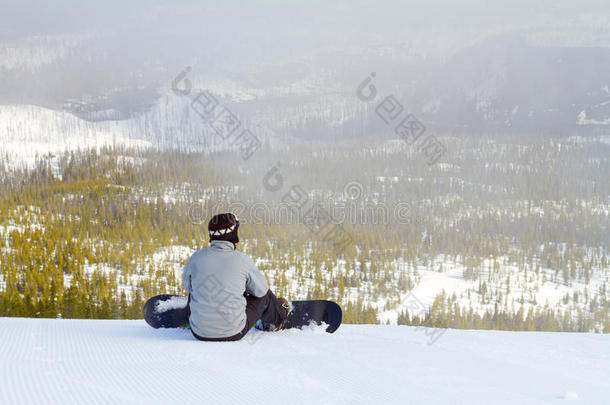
column 224, row 227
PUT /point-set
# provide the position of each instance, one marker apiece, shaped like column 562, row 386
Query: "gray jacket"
column 216, row 278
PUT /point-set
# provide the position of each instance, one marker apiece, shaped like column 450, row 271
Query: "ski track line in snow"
column 46, row 361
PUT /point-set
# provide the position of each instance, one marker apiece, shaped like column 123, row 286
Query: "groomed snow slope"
column 127, row 362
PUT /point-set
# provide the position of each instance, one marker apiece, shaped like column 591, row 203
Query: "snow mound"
column 172, row 303
column 570, row 396
column 54, row 361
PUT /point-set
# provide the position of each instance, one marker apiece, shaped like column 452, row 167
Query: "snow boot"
column 288, row 308
column 269, row 327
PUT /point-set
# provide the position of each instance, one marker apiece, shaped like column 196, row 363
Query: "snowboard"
column 170, row 311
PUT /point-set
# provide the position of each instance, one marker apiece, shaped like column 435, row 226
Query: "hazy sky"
column 302, row 26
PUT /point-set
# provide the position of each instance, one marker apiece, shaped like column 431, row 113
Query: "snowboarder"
column 228, row 294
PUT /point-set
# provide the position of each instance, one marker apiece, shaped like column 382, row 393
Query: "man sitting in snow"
column 228, row 294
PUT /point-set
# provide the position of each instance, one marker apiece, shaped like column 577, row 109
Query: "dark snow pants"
column 268, row 308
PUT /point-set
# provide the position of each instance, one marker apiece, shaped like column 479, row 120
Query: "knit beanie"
column 224, row 227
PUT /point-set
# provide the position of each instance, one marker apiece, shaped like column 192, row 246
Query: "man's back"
column 217, row 278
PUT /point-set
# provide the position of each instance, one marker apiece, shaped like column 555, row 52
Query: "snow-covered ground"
column 127, row 362
column 27, row 132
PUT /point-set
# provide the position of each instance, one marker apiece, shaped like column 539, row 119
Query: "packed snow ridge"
column 127, row 362
column 172, row 303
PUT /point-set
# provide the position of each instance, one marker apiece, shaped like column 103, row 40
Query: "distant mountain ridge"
column 506, row 85
column 502, row 85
